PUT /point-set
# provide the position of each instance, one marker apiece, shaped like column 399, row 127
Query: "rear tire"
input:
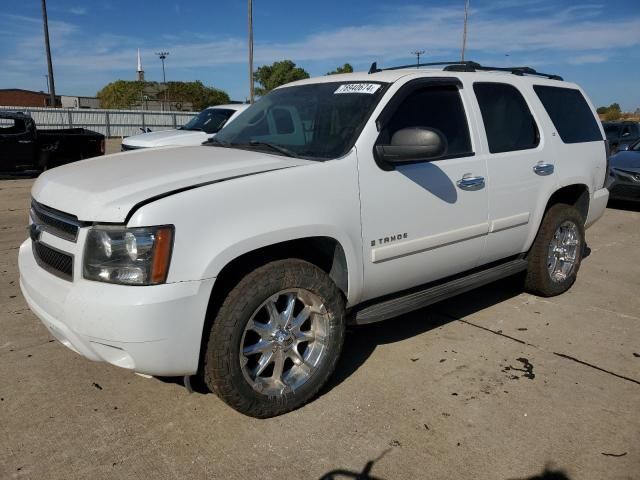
column 276, row 339
column 556, row 254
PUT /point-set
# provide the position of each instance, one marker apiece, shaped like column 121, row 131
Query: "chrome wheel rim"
column 563, row 251
column 283, row 343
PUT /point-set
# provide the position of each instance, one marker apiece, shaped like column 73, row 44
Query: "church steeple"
column 140, row 71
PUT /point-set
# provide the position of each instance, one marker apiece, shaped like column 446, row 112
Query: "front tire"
column 556, row 254
column 276, row 339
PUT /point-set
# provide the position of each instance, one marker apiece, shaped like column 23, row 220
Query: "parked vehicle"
column 343, row 199
column 624, row 174
column 621, row 134
column 25, row 147
column 199, row 129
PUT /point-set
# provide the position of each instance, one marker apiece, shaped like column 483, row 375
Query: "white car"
column 199, row 129
column 343, row 199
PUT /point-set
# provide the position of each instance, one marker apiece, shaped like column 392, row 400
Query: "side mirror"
column 413, row 144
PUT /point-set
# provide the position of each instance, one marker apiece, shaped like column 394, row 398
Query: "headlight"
column 129, row 256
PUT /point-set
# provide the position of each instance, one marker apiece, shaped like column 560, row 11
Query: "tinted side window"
column 507, row 118
column 12, row 127
column 569, row 113
column 434, row 107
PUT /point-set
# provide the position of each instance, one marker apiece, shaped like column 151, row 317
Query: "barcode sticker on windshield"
column 369, row 88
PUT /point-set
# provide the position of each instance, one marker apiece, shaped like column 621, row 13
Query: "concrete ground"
column 494, row 384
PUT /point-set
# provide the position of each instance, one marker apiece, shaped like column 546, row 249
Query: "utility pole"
column 251, row 89
column 163, row 56
column 464, row 33
column 50, row 82
column 47, row 78
column 418, row 53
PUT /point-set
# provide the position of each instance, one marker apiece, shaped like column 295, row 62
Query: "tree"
column 126, row 94
column 276, row 74
column 346, row 68
column 612, row 112
column 196, row 93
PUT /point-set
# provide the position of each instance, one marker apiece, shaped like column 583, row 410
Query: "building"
column 140, row 71
column 79, row 102
column 17, row 97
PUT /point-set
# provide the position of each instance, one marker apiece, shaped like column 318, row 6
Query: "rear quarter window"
column 569, row 113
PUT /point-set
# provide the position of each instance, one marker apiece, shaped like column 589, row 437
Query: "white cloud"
column 79, row 10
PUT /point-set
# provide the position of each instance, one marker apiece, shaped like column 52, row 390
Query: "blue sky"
column 94, row 42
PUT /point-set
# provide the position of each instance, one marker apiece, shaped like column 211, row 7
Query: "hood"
column 166, row 138
column 105, row 189
column 626, row 161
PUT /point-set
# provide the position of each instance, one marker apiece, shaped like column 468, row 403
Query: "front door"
column 17, row 145
column 428, row 219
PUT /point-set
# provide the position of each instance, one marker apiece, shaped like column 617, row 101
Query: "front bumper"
column 155, row 330
column 624, row 185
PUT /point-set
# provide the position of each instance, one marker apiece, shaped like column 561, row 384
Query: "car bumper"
column 155, row 330
column 622, row 188
column 597, row 206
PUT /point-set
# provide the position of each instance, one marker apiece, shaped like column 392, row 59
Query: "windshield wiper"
column 277, row 148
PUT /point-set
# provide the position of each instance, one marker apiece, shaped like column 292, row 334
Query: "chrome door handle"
column 470, row 182
column 543, row 169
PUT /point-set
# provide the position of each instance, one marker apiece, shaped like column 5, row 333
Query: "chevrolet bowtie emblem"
column 34, row 231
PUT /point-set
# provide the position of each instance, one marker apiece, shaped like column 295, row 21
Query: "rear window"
column 569, row 113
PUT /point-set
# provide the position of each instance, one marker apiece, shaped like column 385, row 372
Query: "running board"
column 418, row 299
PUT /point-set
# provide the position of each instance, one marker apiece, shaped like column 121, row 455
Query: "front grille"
column 57, row 223
column 625, row 191
column 54, row 261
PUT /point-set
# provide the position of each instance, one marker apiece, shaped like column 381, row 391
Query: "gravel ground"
column 493, row 384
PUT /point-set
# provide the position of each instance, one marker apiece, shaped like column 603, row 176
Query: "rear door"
column 521, row 167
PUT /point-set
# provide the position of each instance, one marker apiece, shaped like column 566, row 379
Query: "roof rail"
column 469, row 66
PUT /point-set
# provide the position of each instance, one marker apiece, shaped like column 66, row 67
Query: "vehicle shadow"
column 624, row 205
column 361, row 341
column 19, row 175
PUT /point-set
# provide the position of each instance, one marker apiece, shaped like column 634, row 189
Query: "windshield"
column 317, row 121
column 210, row 120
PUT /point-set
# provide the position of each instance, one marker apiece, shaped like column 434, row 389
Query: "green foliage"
column 346, row 68
column 197, row 93
column 121, row 94
column 276, row 74
column 126, row 94
column 610, row 113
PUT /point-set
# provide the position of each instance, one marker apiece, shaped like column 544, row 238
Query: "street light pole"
column 418, row 53
column 251, row 87
column 163, row 56
column 50, row 83
column 464, row 33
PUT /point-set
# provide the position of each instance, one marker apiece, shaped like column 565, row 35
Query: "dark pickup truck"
column 24, row 147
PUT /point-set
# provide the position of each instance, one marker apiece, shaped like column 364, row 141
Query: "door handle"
column 470, row 182
column 543, row 169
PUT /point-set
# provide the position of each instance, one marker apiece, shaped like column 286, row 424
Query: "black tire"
column 222, row 368
column 538, row 280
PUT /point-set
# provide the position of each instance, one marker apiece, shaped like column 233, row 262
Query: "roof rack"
column 469, row 66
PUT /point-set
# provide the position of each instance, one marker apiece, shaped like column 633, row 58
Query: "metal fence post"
column 144, row 127
column 70, row 119
column 108, row 123
column 173, row 116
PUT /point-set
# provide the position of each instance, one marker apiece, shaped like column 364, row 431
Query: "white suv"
column 347, row 198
